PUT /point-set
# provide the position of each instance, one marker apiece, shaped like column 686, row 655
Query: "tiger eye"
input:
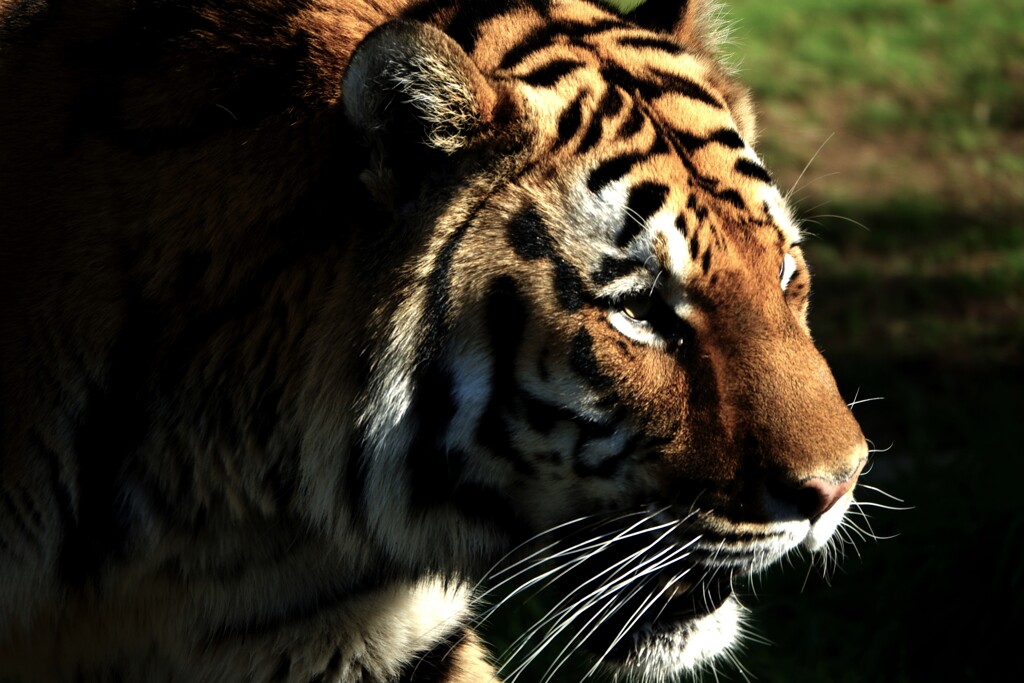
column 637, row 306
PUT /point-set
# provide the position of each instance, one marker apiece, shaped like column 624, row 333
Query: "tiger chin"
column 314, row 314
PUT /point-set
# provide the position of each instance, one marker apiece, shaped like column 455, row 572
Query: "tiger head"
column 600, row 335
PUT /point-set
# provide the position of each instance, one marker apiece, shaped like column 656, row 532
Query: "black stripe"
column 670, row 137
column 568, row 286
column 531, row 240
column 593, row 134
column 589, row 432
column 691, row 143
column 494, row 435
column 700, row 211
column 681, row 224
column 584, row 362
column 754, row 170
column 433, row 473
column 727, row 137
column 507, row 314
column 706, row 261
column 506, row 317
column 536, row 40
column 435, row 315
column 657, row 83
column 659, row 146
column 541, row 416
column 645, row 199
column 653, row 42
column 633, row 123
column 694, row 246
column 569, row 121
column 282, row 476
column 549, row 74
column 529, row 236
column 688, row 88
column 611, row 102
column 618, row 75
column 546, row 35
column 612, row 169
column 612, row 268
column 733, row 197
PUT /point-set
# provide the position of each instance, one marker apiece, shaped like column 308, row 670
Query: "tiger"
column 321, row 319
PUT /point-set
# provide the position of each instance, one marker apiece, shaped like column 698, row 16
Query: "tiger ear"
column 409, row 79
column 691, row 22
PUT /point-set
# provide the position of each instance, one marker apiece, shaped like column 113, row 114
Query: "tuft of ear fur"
column 407, row 75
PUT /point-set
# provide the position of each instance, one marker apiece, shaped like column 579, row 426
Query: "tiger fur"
column 311, row 311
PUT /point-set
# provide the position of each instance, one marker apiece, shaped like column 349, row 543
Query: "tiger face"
column 315, row 313
column 622, row 352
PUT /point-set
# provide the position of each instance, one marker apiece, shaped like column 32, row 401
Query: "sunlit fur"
column 316, row 313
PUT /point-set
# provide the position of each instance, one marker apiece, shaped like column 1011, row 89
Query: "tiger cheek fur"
column 315, row 311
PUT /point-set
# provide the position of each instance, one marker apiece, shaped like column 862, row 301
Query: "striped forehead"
column 587, row 99
column 631, row 223
column 645, row 199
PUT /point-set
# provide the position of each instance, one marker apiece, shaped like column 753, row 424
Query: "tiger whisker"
column 590, row 547
column 563, row 616
column 555, row 613
column 674, row 556
column 807, row 166
column 837, row 217
column 884, row 493
column 638, row 613
column 871, row 504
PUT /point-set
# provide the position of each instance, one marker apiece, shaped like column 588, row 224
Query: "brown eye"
column 637, row 307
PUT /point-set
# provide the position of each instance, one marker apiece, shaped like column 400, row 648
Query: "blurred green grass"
column 898, row 127
column 913, row 114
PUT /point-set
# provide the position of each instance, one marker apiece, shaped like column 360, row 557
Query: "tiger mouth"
column 646, row 594
column 644, row 617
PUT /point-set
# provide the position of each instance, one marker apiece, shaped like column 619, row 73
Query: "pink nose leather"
column 814, row 496
column 818, row 495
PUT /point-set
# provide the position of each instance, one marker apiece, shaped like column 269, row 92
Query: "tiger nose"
column 814, row 496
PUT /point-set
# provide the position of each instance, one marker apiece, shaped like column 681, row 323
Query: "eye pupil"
column 637, row 307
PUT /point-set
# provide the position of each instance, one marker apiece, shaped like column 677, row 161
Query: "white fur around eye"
column 787, row 270
column 638, row 330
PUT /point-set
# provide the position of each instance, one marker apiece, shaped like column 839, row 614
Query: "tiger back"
column 315, row 313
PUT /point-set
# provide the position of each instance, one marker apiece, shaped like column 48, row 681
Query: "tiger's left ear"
column 409, row 79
